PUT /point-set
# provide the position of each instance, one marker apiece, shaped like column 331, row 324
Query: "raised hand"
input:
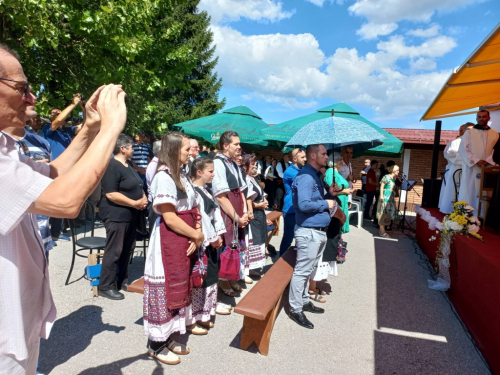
column 112, row 109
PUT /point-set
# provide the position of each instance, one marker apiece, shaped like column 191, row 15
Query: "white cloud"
column 234, row 10
column 386, row 12
column 422, row 64
column 291, row 70
column 316, row 2
column 425, row 33
column 373, row 30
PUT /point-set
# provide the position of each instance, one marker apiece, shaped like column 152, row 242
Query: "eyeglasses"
column 22, row 90
column 301, row 149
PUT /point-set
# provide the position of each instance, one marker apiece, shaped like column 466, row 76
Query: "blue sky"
column 386, row 58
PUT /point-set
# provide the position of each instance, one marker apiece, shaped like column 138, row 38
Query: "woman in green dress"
column 332, row 175
column 386, row 208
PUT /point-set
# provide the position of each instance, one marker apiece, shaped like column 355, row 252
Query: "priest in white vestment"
column 476, row 150
column 448, row 189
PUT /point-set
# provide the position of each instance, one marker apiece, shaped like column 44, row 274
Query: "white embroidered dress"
column 160, row 322
column 256, row 252
column 205, row 299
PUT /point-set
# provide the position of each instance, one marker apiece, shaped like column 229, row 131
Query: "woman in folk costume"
column 176, row 237
column 227, row 187
column 205, row 298
column 257, row 229
column 448, row 195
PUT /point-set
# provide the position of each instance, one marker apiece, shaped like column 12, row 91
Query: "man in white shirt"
column 476, row 150
column 27, row 309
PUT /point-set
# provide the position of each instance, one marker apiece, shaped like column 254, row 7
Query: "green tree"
column 200, row 96
column 69, row 46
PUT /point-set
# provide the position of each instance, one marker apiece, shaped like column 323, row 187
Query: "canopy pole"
column 333, row 113
column 435, row 149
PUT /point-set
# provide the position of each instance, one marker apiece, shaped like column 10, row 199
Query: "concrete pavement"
column 380, row 319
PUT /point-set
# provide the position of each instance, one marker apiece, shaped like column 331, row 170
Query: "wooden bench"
column 261, row 304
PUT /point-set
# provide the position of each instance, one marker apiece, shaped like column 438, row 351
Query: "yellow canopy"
column 473, row 84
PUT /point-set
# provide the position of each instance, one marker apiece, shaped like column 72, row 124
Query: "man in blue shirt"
column 312, row 216
column 298, row 161
column 59, row 137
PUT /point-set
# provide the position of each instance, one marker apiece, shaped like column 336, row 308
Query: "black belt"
column 321, row 229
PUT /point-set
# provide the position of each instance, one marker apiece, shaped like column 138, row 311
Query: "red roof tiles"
column 422, row 136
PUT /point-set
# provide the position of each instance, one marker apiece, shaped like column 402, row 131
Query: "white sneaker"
column 165, row 356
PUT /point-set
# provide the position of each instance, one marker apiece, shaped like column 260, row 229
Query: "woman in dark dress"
column 123, row 197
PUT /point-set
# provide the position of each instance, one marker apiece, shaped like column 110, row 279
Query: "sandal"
column 320, row 292
column 227, row 291
column 316, row 297
column 177, row 347
column 196, row 329
column 236, row 287
column 385, row 235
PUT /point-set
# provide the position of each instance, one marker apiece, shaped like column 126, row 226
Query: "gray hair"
column 123, row 140
column 336, row 157
column 330, row 164
column 156, row 147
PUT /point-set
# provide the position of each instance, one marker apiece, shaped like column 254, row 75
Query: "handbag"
column 199, row 265
column 230, row 257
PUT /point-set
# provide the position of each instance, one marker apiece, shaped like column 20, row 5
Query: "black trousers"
column 120, row 242
column 369, row 195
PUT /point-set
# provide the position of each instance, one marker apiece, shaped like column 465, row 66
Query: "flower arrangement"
column 461, row 221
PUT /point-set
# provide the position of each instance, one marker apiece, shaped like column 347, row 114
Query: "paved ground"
column 380, row 319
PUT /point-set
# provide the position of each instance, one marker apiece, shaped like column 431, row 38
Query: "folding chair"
column 84, row 241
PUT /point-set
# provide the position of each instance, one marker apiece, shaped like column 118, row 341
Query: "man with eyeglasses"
column 56, row 189
column 298, row 161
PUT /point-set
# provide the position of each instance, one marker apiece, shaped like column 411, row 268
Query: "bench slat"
column 264, row 295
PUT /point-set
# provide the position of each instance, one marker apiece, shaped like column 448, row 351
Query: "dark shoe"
column 272, row 250
column 124, row 287
column 368, row 218
column 309, row 307
column 111, row 294
column 301, row 320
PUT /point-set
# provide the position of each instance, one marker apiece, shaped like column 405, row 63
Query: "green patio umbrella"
column 240, row 119
column 278, row 135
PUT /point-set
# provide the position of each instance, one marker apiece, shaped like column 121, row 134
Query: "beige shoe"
column 177, row 347
column 225, row 306
column 196, row 329
column 248, row 280
column 165, row 356
column 208, row 324
column 221, row 310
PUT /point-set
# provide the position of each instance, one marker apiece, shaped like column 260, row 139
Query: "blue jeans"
column 288, row 230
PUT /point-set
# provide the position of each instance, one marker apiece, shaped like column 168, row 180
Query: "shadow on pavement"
column 117, row 366
column 71, row 335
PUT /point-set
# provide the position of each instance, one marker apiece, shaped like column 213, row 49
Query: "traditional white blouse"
column 210, row 231
column 164, row 190
column 219, row 183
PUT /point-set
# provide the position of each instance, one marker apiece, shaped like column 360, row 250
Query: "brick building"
column 415, row 162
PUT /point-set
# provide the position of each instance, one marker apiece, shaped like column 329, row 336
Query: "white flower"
column 453, row 225
column 437, row 232
column 473, row 228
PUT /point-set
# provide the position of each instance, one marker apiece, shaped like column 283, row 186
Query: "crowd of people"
column 205, row 207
